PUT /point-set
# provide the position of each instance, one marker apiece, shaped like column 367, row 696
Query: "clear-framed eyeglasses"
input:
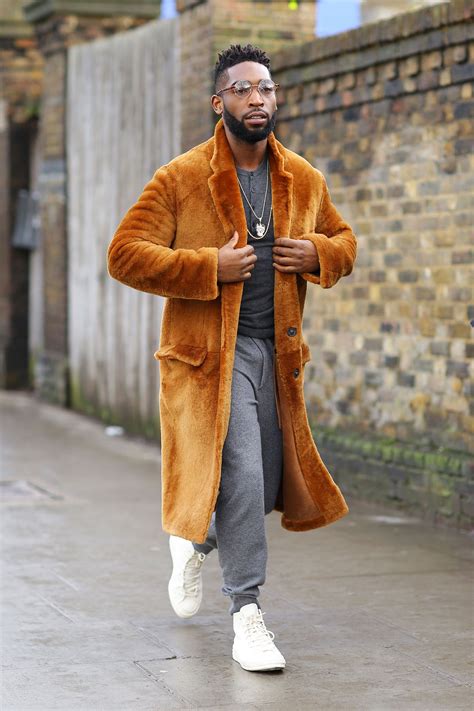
column 243, row 87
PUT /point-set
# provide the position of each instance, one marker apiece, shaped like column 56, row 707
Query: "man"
column 231, row 232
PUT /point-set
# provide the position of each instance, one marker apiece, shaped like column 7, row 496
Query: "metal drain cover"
column 20, row 490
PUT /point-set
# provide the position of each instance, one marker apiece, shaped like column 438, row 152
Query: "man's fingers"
column 282, row 268
column 284, row 251
column 285, row 260
column 285, row 242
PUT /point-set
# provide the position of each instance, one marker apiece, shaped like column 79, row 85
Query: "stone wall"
column 386, row 113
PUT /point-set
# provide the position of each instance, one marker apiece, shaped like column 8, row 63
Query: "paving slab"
column 374, row 612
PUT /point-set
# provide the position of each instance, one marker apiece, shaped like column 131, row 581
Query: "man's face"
column 237, row 112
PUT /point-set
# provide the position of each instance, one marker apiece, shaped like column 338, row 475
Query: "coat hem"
column 311, row 523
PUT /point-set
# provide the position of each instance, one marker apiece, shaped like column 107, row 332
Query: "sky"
column 335, row 16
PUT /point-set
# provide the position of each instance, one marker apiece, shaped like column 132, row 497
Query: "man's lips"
column 256, row 119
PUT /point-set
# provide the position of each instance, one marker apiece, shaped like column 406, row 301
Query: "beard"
column 244, row 134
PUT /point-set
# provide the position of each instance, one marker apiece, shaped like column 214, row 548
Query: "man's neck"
column 247, row 156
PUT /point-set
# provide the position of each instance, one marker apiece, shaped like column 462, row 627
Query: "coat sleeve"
column 335, row 243
column 140, row 254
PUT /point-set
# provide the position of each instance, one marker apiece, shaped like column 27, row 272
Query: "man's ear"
column 216, row 103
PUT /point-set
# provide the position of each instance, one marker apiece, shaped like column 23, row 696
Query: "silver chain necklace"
column 261, row 228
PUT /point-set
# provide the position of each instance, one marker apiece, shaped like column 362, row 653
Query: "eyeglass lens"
column 243, row 87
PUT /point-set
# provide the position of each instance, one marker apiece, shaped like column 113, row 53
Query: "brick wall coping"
column 15, row 28
column 40, row 9
column 400, row 36
column 184, row 5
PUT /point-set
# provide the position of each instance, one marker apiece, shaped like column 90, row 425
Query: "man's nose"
column 255, row 96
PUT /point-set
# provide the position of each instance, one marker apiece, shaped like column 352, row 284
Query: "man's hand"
column 235, row 264
column 295, row 255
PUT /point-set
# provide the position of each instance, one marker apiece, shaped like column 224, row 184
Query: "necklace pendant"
column 260, row 229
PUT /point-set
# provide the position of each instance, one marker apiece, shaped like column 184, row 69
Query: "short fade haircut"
column 235, row 54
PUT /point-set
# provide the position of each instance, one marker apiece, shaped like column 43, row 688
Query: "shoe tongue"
column 249, row 610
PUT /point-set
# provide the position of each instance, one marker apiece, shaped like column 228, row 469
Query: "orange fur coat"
column 167, row 244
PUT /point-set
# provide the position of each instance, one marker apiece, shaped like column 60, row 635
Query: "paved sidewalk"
column 373, row 612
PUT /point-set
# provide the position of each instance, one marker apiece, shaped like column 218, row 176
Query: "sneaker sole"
column 249, row 667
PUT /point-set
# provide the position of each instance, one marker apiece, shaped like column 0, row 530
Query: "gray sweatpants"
column 250, row 476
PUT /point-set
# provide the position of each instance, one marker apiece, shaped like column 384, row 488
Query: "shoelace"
column 191, row 573
column 256, row 632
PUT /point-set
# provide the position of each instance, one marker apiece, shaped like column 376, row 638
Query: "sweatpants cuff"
column 239, row 601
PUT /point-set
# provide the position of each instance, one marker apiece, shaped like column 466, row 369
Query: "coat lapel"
column 282, row 189
column 224, row 188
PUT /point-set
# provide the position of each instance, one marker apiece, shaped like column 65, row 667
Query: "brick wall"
column 269, row 25
column 209, row 26
column 386, row 112
column 20, row 90
column 21, row 71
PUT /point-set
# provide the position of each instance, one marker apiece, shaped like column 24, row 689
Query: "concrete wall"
column 376, row 10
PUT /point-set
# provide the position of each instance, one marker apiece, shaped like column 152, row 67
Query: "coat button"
column 296, row 372
column 291, row 331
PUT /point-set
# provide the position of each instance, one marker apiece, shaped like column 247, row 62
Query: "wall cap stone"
column 15, row 29
column 387, row 31
column 40, row 9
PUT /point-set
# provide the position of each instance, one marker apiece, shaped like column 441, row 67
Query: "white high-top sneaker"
column 185, row 584
column 253, row 644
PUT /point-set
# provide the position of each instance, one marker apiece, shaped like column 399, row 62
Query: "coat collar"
column 225, row 189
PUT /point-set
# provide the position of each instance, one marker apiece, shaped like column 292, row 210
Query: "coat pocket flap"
column 194, row 355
